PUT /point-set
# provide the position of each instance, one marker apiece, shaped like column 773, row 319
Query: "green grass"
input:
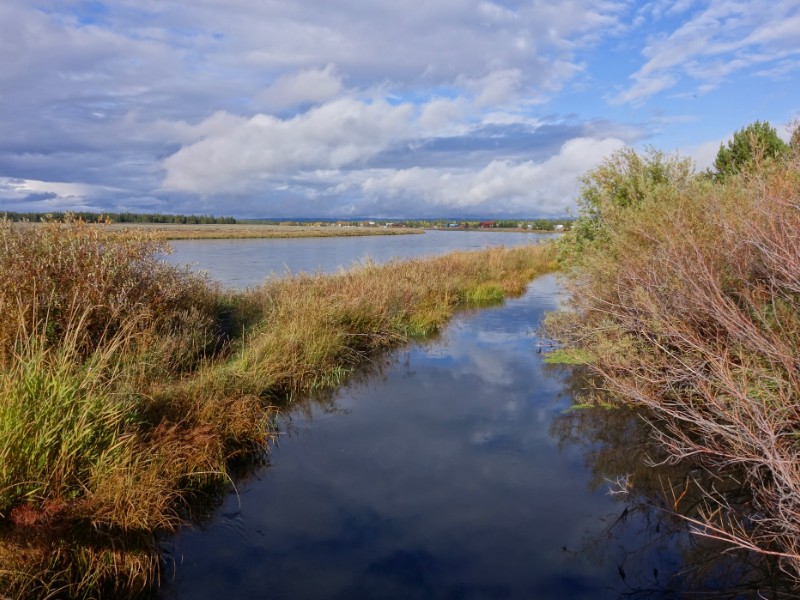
column 568, row 356
column 60, row 421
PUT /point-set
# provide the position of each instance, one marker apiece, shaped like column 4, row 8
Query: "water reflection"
column 656, row 555
column 456, row 471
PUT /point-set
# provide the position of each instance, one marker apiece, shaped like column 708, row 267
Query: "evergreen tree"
column 750, row 147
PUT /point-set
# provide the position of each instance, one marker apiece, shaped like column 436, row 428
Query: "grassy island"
column 129, row 386
column 228, row 231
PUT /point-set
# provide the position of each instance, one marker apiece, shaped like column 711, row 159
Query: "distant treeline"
column 126, row 217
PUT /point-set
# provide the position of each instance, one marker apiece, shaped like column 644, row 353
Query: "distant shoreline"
column 176, row 231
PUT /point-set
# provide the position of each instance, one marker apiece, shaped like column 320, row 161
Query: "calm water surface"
column 454, row 470
column 241, row 263
column 437, row 478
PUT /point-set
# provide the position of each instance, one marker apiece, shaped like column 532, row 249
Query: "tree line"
column 124, row 217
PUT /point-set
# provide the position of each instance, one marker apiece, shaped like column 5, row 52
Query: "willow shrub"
column 691, row 308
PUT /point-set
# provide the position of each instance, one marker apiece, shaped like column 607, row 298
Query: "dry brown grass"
column 88, row 280
column 692, row 310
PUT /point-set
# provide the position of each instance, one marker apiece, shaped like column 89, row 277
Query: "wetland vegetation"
column 229, row 231
column 686, row 304
column 130, row 386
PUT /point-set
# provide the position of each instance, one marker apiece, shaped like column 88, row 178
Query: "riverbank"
column 130, row 386
column 175, row 231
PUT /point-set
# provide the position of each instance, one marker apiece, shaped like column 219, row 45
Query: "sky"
column 371, row 108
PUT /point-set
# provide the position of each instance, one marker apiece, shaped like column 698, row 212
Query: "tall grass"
column 83, row 281
column 127, row 385
column 61, row 420
column 692, row 310
column 88, row 320
column 313, row 330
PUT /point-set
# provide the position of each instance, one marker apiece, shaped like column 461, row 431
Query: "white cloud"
column 644, row 87
column 444, row 114
column 497, row 87
column 725, row 37
column 331, row 136
column 703, row 154
column 527, row 188
column 446, row 102
column 307, row 86
column 22, row 187
column 31, row 195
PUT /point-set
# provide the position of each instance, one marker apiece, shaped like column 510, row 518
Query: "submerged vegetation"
column 128, row 386
column 686, row 302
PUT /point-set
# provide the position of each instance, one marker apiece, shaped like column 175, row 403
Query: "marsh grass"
column 692, row 310
column 315, row 329
column 128, row 386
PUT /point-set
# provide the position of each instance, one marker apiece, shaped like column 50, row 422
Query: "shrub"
column 621, row 183
column 57, row 274
column 692, row 309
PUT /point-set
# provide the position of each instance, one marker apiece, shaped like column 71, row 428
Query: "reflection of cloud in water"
column 487, row 366
column 447, row 462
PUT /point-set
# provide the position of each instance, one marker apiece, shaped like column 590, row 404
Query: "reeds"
column 128, row 385
column 692, row 310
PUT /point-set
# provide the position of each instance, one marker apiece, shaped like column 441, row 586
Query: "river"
column 241, row 263
column 455, row 469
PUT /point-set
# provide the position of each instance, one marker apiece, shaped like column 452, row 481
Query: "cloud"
column 644, row 87
column 726, row 36
column 501, row 187
column 444, row 115
column 309, row 107
column 372, row 157
column 27, row 195
column 307, row 86
column 703, row 154
column 262, row 147
column 143, row 102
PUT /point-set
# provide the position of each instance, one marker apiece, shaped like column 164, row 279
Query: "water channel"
column 241, row 263
column 455, row 469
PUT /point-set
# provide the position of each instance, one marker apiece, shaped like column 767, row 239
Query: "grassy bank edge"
column 176, row 400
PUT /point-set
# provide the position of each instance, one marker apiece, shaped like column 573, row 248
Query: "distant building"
column 559, row 227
